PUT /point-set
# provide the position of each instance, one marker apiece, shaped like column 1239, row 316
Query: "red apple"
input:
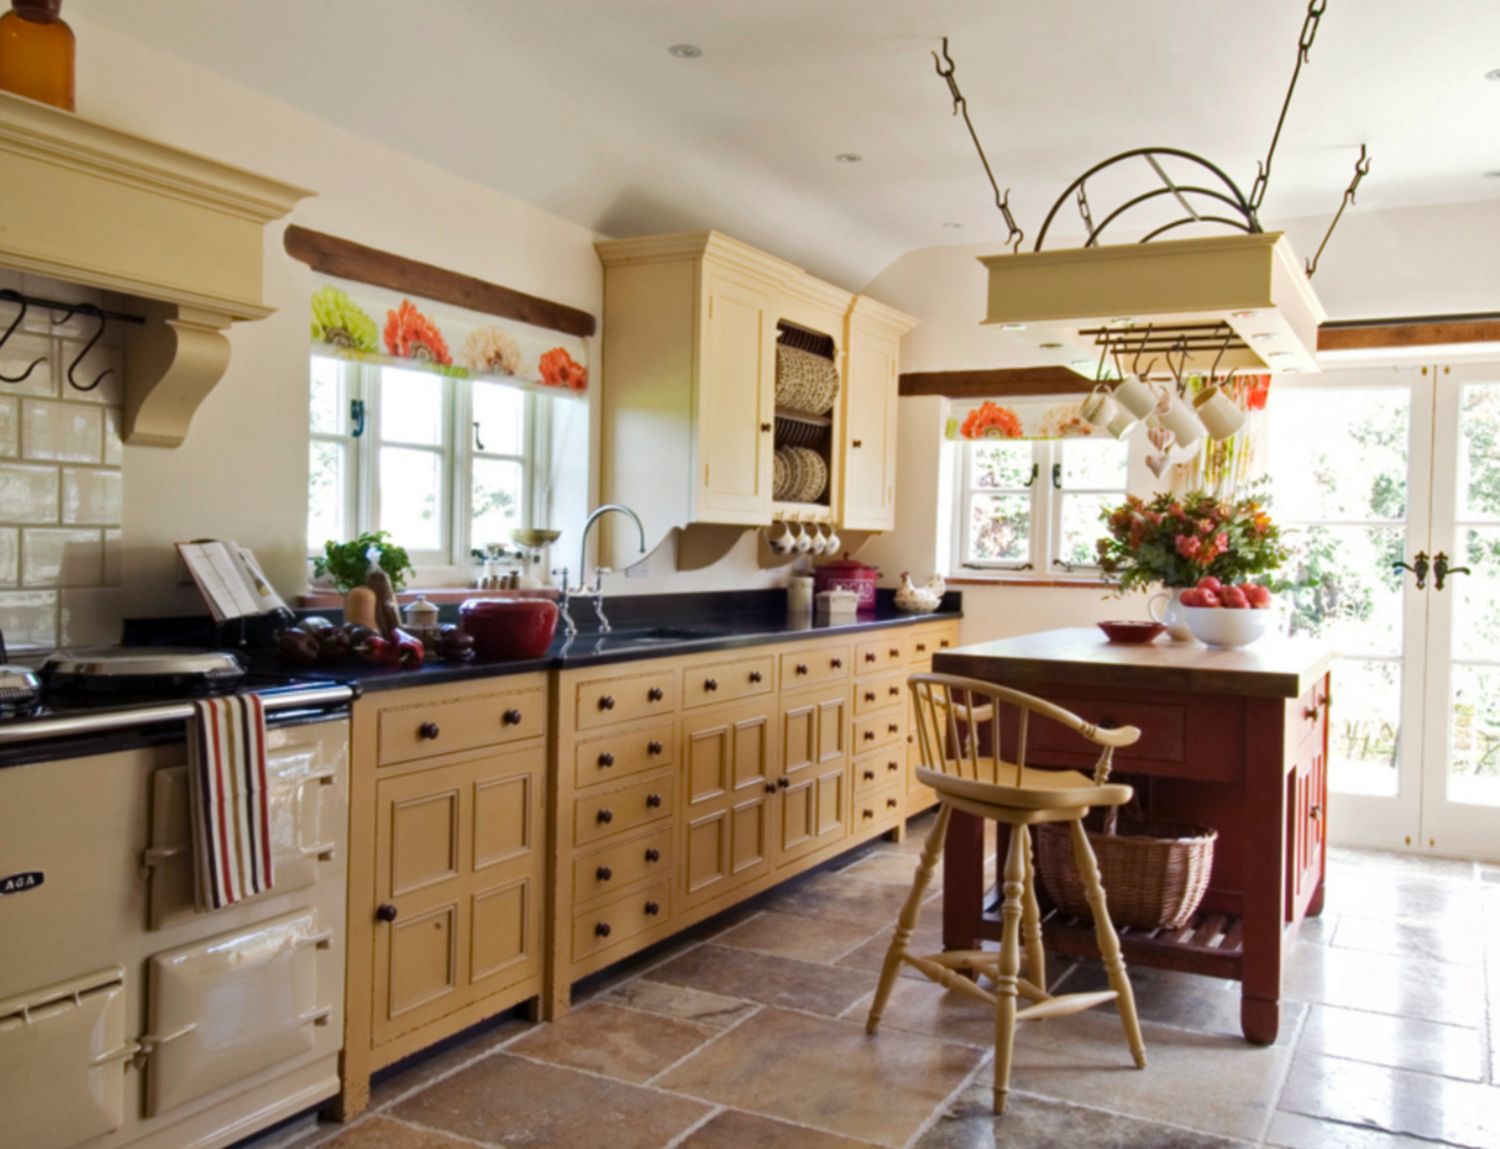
column 1234, row 598
column 1258, row 596
column 1208, row 598
column 1191, row 597
column 1208, row 582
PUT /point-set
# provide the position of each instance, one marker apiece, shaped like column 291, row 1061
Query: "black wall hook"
column 16, row 297
column 87, row 309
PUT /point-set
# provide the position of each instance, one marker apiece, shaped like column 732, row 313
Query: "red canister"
column 847, row 574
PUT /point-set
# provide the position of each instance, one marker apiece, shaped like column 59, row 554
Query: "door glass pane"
column 1000, row 528
column 1339, row 453
column 498, row 498
column 1356, row 606
column 326, row 494
column 1081, row 527
column 411, row 497
column 1364, row 735
column 1479, row 453
column 327, row 396
column 1474, row 736
column 1000, row 466
column 411, row 406
column 1476, row 596
column 500, row 418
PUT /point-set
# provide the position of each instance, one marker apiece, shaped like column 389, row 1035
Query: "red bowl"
column 1132, row 631
column 509, row 627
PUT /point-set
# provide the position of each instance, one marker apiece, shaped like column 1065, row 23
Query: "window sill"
column 440, row 595
column 1029, row 580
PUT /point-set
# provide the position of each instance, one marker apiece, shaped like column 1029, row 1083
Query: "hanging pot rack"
column 61, row 312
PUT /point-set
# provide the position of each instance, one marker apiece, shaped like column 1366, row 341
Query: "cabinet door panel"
column 870, row 432
column 734, row 400
column 728, row 765
column 815, row 753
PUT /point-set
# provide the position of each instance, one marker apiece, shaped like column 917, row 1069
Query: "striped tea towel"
column 229, row 797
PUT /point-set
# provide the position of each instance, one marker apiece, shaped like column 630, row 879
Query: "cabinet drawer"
column 1307, row 715
column 805, row 667
column 615, row 698
column 621, row 753
column 1202, row 739
column 428, row 729
column 729, row 681
column 926, row 643
column 624, row 917
column 877, row 807
column 886, row 653
column 879, row 693
column 621, row 865
column 876, row 771
column 883, row 729
column 608, row 813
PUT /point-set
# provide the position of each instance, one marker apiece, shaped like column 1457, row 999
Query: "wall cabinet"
column 690, row 422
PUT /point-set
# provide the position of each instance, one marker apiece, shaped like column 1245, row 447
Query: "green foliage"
column 348, row 564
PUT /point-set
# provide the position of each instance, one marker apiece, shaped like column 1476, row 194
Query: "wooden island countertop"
column 1235, row 740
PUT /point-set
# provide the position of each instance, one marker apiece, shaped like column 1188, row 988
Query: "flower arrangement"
column 1065, row 421
column 991, row 421
column 411, row 335
column 492, row 351
column 1175, row 540
column 339, row 321
column 558, row 369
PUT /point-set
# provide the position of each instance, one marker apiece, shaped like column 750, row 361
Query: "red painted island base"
column 1232, row 739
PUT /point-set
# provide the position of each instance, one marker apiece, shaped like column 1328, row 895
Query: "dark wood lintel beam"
column 1007, row 382
column 349, row 260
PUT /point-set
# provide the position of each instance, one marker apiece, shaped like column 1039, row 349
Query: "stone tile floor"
column 747, row 1033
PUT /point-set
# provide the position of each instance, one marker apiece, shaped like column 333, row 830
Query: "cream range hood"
column 1235, row 302
column 176, row 239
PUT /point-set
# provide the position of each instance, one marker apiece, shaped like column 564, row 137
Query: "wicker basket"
column 1154, row 873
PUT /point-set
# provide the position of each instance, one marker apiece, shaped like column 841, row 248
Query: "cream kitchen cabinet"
column 689, row 416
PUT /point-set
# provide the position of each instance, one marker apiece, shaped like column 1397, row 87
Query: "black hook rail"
column 60, row 312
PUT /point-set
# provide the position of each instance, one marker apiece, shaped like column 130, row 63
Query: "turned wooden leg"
column 1031, row 924
column 1109, row 943
column 1010, row 961
column 906, row 922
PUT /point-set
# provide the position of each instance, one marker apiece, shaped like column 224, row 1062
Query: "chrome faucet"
column 583, row 590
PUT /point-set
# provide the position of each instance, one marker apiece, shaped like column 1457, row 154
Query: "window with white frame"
column 1034, row 505
column 445, row 465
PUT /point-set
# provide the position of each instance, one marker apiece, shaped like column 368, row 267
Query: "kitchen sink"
column 645, row 636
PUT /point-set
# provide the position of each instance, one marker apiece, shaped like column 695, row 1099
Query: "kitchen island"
column 1236, row 740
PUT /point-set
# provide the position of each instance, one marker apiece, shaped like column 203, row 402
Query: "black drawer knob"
column 653, row 747
column 654, row 694
column 511, row 718
column 606, row 759
column 869, row 775
column 869, row 736
column 892, row 767
column 783, row 783
column 892, row 728
column 755, row 676
column 604, row 873
column 890, row 803
column 857, row 444
column 653, row 908
column 770, row 787
column 869, row 814
column 653, row 854
column 895, row 692
column 944, row 644
column 921, row 648
column 711, row 684
column 385, row 912
column 653, row 801
column 606, row 816
column 871, row 656
column 429, row 730
column 602, row 930
column 765, row 428
column 869, row 696
column 894, row 653
column 836, row 663
column 801, row 668
column 606, row 702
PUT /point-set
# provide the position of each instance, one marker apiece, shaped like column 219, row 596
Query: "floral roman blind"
column 1026, row 419
column 372, row 325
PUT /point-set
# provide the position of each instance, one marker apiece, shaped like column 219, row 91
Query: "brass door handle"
column 1442, row 570
column 1418, row 567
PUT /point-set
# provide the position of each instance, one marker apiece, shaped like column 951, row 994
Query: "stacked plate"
column 805, row 382
column 801, row 475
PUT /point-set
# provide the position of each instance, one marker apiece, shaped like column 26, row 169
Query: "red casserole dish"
column 509, row 627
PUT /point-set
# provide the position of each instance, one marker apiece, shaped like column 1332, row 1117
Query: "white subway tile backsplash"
column 18, row 355
column 10, row 556
column 112, row 547
column 114, row 441
column 28, row 619
column 59, row 324
column 10, row 427
column 28, row 494
column 56, row 557
column 94, row 496
column 61, row 432
column 91, row 617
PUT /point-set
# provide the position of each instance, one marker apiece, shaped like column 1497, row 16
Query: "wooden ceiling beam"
column 1421, row 331
column 1000, row 382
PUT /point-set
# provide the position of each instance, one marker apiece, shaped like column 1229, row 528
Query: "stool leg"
column 1109, row 942
column 1031, row 924
column 1010, row 960
column 906, row 922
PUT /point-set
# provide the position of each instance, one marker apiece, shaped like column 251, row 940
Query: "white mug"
column 1137, row 396
column 819, row 542
column 1177, row 417
column 833, row 542
column 784, row 542
column 1099, row 408
column 1122, row 423
column 1218, row 412
column 804, row 540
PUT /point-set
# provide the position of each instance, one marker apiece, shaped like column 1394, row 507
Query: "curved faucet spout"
column 583, row 544
column 597, row 592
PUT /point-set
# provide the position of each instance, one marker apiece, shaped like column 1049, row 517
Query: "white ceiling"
column 577, row 106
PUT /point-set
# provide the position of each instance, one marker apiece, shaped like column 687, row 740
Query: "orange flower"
column 558, row 369
column 987, row 421
column 411, row 335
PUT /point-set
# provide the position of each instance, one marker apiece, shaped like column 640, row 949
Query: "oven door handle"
column 317, row 1016
column 149, row 1041
column 323, row 939
column 129, row 1050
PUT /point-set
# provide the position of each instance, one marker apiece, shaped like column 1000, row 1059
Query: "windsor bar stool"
column 959, row 726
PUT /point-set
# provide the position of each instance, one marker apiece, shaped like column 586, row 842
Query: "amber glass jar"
column 36, row 53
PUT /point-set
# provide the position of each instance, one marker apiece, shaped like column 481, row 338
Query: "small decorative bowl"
column 1131, row 631
column 1219, row 626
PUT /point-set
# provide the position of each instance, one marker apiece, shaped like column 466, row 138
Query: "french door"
column 1383, row 478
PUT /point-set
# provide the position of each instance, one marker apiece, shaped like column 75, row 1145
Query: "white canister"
column 1219, row 413
column 799, row 594
column 1179, row 418
column 1137, row 396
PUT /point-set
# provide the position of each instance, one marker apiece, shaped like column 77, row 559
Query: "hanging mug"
column 833, row 541
column 1137, row 396
column 1177, row 417
column 1099, row 408
column 804, row 540
column 1122, row 423
column 783, row 542
column 819, row 542
column 1219, row 413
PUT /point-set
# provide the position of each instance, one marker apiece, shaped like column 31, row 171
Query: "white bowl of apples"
column 1220, row 615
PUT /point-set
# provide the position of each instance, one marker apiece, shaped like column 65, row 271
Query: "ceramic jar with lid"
column 848, row 574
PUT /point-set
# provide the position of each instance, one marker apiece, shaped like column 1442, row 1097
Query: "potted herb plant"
column 347, row 565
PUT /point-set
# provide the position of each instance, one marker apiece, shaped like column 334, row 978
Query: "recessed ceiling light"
column 952, row 225
column 1241, row 314
column 1492, row 74
column 1123, row 321
column 1263, row 336
column 685, row 51
column 1278, row 354
column 1050, row 346
column 1013, row 327
column 849, row 157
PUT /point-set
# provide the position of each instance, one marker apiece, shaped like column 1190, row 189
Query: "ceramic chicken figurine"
column 920, row 600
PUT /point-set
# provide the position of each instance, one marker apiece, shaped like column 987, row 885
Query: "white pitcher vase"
column 1166, row 608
